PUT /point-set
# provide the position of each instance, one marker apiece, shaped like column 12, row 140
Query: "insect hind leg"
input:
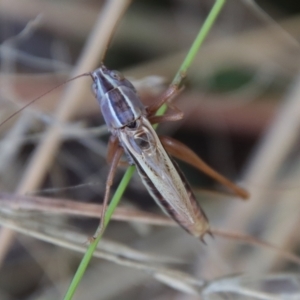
column 182, row 152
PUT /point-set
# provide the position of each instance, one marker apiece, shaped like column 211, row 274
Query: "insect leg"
column 114, row 164
column 113, row 145
column 182, row 152
column 167, row 96
column 170, row 116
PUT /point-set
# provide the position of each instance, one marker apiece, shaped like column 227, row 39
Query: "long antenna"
column 39, row 97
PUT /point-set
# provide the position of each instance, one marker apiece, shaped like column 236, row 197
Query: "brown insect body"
column 129, row 122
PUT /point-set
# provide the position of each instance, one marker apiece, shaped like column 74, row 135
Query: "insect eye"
column 116, row 75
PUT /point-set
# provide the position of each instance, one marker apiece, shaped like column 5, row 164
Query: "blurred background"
column 242, row 116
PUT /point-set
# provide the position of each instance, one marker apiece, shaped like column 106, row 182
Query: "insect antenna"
column 39, row 97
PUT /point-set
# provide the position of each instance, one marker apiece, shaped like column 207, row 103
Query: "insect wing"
column 167, row 186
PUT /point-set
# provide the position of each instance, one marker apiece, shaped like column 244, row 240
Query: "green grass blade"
column 210, row 20
column 204, row 30
column 89, row 253
column 206, row 27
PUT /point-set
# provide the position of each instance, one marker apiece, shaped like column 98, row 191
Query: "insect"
column 129, row 122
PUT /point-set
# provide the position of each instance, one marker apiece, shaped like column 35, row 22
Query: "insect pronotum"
column 129, row 122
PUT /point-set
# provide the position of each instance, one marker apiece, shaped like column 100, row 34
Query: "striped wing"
column 162, row 177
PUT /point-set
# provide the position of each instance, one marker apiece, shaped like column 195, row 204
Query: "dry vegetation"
column 242, row 115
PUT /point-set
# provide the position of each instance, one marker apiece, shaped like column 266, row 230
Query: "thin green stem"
column 89, row 253
column 204, row 30
column 127, row 176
